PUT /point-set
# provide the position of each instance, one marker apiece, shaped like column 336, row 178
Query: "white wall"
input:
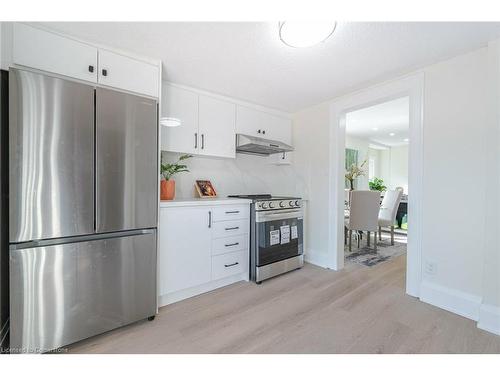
column 455, row 130
column 454, row 178
column 489, row 315
column 246, row 174
column 311, row 161
column 385, row 165
column 398, row 168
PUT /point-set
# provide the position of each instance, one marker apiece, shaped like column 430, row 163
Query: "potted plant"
column 167, row 170
column 377, row 184
column 353, row 172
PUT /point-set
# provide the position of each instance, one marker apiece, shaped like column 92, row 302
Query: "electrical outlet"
column 430, row 268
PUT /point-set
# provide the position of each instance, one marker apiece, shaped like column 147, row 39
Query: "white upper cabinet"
column 279, row 129
column 217, row 121
column 250, row 122
column 183, row 105
column 127, row 73
column 257, row 123
column 53, row 53
column 207, row 124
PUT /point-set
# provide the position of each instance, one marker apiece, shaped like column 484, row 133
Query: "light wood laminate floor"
column 312, row 310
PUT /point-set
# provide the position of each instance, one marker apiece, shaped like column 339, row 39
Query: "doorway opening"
column 412, row 87
column 376, row 163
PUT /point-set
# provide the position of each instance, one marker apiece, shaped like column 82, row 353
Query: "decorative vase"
column 167, row 190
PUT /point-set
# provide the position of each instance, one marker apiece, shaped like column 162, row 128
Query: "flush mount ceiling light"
column 392, row 134
column 169, row 121
column 305, row 34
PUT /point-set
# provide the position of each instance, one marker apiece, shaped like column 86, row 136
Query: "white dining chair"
column 363, row 215
column 347, row 197
column 388, row 211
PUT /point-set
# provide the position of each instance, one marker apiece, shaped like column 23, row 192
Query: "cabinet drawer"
column 230, row 228
column 231, row 213
column 229, row 264
column 229, row 244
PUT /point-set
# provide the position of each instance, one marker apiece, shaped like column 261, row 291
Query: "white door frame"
column 412, row 86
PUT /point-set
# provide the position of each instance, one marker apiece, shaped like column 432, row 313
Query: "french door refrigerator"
column 82, row 210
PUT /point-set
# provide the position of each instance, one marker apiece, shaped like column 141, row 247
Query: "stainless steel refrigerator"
column 83, row 180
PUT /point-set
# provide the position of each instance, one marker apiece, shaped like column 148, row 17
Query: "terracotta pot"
column 167, row 190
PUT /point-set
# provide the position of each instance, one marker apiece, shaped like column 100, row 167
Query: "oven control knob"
column 264, row 205
column 271, row 205
column 297, row 203
column 282, row 204
column 290, row 203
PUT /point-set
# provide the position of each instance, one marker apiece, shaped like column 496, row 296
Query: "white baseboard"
column 489, row 318
column 453, row 300
column 316, row 258
column 177, row 296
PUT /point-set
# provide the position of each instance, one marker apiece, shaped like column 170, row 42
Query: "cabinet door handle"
column 91, row 68
column 232, row 212
column 202, row 141
column 104, row 72
column 231, row 244
column 233, row 228
column 231, row 265
column 210, row 219
column 195, row 140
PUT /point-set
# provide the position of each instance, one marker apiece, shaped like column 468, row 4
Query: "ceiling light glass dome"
column 305, row 34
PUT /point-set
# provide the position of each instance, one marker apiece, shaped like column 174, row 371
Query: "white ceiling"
column 247, row 60
column 377, row 123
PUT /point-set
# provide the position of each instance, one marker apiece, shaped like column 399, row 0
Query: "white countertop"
column 183, row 202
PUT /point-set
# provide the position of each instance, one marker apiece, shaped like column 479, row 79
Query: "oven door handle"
column 262, row 217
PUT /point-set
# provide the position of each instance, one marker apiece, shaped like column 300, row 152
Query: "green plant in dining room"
column 168, row 170
column 355, row 171
column 377, row 184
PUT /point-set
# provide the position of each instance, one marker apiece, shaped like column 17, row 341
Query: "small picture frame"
column 205, row 189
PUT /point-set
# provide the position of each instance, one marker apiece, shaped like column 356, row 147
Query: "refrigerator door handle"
column 86, row 238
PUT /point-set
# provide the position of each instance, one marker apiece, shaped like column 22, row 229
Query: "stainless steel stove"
column 276, row 235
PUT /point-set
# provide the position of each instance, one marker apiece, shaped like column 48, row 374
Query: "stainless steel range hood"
column 247, row 144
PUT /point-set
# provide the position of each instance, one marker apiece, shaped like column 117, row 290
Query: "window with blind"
column 351, row 157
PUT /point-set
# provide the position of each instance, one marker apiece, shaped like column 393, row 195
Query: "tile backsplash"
column 247, row 174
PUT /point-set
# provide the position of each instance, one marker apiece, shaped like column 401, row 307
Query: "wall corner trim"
column 455, row 301
column 489, row 318
column 317, row 258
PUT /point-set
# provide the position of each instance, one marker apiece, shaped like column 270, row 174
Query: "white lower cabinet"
column 201, row 248
column 230, row 228
column 229, row 264
column 229, row 244
column 185, row 255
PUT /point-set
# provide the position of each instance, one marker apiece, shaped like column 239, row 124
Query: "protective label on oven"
column 285, row 234
column 274, row 237
column 294, row 232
